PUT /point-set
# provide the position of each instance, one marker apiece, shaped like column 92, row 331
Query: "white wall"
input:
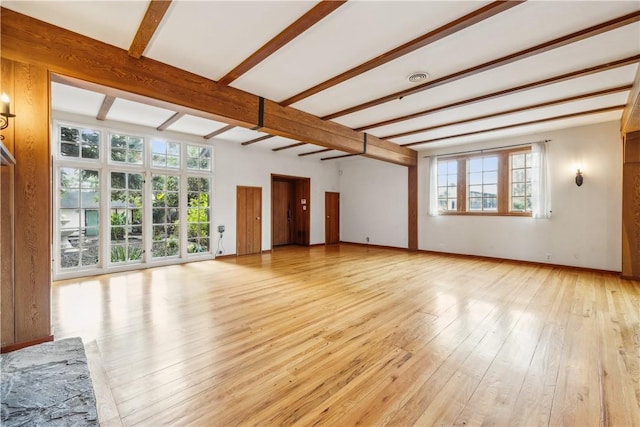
column 373, row 203
column 585, row 226
column 237, row 165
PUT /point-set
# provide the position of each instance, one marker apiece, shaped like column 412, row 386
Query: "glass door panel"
column 165, row 216
column 78, row 218
column 126, row 217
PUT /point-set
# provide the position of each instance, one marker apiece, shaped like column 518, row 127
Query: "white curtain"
column 433, row 186
column 540, row 194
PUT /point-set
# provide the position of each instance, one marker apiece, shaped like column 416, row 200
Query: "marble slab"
column 47, row 384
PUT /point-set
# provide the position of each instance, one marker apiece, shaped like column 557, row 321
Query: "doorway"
column 248, row 220
column 332, row 218
column 290, row 210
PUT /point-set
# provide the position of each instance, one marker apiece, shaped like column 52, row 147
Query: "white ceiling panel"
column 536, row 130
column 113, row 22
column 610, row 46
column 195, row 125
column 608, row 79
column 238, row 134
column 538, row 114
column 347, row 34
column 137, row 113
column 505, row 33
column 210, row 38
column 75, row 100
column 613, row 45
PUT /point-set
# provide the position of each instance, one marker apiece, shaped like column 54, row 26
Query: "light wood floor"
column 348, row 335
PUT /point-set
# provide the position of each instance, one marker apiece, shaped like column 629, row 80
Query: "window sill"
column 521, row 214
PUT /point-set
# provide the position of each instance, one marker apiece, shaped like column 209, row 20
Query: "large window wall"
column 127, row 200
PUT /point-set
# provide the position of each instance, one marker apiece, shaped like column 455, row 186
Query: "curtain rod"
column 486, row 149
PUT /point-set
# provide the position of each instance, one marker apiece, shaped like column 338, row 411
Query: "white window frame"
column 104, row 165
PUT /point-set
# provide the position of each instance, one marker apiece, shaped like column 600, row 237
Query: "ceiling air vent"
column 418, row 77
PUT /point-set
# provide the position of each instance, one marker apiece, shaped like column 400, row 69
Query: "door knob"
column 257, row 218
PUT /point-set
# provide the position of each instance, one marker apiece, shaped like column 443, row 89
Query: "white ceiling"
column 210, row 38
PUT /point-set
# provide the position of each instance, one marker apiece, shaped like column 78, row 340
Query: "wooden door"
column 332, row 218
column 281, row 212
column 249, row 220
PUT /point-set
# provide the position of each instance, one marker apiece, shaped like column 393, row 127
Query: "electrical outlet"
column 221, row 229
column 548, row 256
column 219, row 252
column 367, row 239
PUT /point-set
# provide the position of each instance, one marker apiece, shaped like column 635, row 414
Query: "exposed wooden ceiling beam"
column 171, row 120
column 517, row 56
column 540, row 83
column 219, row 131
column 107, row 103
column 515, row 125
column 260, row 138
column 83, row 59
column 306, row 21
column 630, row 121
column 560, row 101
column 309, row 153
column 448, row 29
column 148, row 26
column 286, row 147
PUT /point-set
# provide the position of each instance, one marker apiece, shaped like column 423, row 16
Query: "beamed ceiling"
column 495, row 69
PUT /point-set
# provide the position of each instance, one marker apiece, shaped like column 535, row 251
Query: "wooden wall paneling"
column 413, row 208
column 7, row 314
column 33, row 202
column 631, row 207
column 7, row 255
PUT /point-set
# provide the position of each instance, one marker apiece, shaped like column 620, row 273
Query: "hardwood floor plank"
column 355, row 335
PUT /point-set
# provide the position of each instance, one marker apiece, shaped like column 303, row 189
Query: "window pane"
column 198, row 158
column 489, row 203
column 442, row 168
column 475, row 178
column 490, row 177
column 75, row 142
column 173, row 148
column 475, row 191
column 475, row 165
column 518, row 175
column 490, row 163
column 518, row 189
column 158, row 146
column 127, row 149
column 517, row 161
column 490, row 190
column 158, row 160
column 517, row 203
column 475, row 204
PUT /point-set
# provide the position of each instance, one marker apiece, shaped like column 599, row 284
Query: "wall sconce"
column 579, row 178
column 5, row 113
